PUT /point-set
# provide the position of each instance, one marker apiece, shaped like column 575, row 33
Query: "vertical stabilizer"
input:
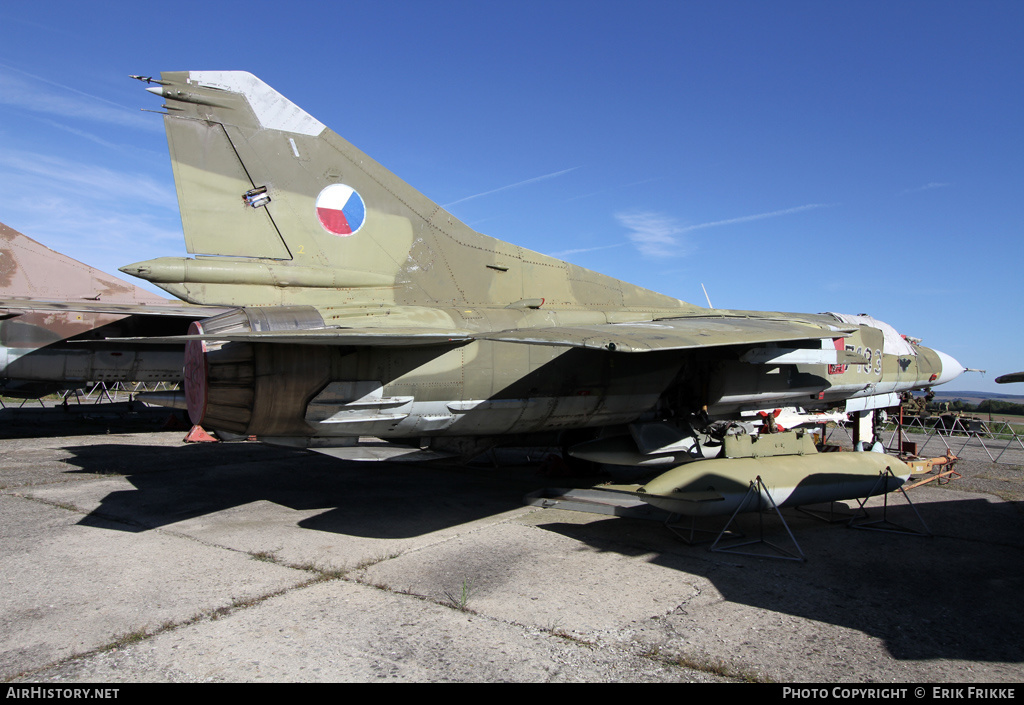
column 260, row 179
column 31, row 270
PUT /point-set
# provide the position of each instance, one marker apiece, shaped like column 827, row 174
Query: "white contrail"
column 614, row 188
column 505, row 188
column 566, row 253
column 759, row 216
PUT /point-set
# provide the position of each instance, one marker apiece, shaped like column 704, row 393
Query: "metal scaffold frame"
column 115, row 392
column 998, row 441
column 99, row 392
column 958, row 436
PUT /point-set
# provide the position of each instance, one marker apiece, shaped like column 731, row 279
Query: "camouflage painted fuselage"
column 365, row 309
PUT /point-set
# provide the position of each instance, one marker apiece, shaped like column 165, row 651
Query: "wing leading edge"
column 663, row 335
column 671, row 334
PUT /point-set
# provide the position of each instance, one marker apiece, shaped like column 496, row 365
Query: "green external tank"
column 724, row 485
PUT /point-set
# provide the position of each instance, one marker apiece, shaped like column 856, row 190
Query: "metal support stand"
column 688, row 534
column 760, row 491
column 829, row 517
column 884, row 524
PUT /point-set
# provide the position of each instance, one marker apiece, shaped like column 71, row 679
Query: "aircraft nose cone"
column 951, row 369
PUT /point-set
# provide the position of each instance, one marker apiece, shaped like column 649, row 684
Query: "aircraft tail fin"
column 29, row 269
column 277, row 208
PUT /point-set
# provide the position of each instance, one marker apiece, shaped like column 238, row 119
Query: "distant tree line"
column 994, row 406
column 989, row 406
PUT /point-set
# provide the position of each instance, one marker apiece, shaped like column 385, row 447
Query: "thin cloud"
column 656, row 235
column 40, row 95
column 127, row 148
column 653, row 234
column 105, row 240
column 511, row 186
column 103, row 233
column 927, row 187
column 46, row 176
column 97, row 215
column 7, row 17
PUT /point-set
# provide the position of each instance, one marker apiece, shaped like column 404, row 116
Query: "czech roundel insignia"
column 340, row 209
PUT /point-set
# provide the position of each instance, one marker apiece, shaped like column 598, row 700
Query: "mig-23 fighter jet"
column 364, row 309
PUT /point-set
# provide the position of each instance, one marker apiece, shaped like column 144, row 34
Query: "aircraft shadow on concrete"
column 953, row 595
column 374, row 500
column 27, row 419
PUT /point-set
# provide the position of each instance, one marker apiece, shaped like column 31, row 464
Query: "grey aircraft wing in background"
column 51, row 303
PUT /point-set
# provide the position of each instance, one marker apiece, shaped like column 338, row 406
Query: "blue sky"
column 863, row 157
